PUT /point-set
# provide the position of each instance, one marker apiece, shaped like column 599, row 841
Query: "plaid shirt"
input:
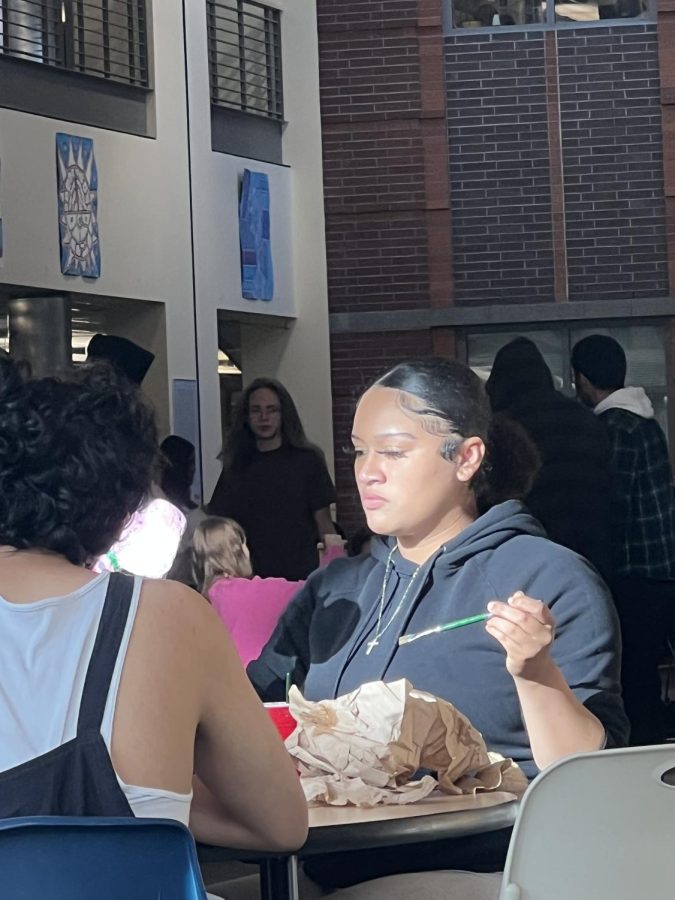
column 643, row 496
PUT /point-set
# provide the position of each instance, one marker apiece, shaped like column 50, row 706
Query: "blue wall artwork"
column 78, row 206
column 257, row 271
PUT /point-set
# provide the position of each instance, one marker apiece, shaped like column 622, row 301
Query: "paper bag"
column 365, row 747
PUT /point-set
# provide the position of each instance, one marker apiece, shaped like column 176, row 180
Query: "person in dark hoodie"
column 540, row 679
column 571, row 496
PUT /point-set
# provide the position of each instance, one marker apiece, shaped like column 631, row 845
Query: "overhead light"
column 80, row 342
column 483, row 372
column 226, row 366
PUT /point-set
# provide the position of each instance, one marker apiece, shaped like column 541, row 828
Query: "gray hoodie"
column 632, row 399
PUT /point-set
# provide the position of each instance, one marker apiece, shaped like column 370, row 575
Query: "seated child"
column 249, row 606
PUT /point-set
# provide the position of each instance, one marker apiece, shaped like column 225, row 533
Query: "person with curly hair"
column 115, row 690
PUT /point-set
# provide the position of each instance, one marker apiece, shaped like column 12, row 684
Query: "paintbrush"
column 449, row 626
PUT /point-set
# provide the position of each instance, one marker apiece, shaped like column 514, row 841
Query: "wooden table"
column 336, row 829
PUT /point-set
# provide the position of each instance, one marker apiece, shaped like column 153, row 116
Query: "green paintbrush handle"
column 461, row 622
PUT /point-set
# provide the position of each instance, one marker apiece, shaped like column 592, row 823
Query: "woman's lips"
column 372, row 501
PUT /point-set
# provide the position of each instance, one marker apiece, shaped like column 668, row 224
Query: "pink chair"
column 251, row 608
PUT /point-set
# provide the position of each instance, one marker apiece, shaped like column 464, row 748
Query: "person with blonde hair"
column 249, row 606
column 219, row 551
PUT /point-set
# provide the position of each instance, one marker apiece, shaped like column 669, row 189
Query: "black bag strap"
column 106, row 650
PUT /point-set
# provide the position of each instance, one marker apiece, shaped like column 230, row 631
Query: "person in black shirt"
column 571, row 494
column 275, row 484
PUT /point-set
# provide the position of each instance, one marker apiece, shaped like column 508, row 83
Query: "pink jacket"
column 250, row 608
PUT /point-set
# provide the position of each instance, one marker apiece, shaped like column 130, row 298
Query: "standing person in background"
column 176, row 479
column 178, row 471
column 274, row 483
column 151, row 538
column 571, row 494
column 644, row 525
column 132, row 360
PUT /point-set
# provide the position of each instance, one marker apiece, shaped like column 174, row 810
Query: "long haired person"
column 274, row 483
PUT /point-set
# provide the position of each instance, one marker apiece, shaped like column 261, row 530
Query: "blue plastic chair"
column 63, row 858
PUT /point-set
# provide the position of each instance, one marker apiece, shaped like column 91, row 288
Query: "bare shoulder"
column 164, row 597
column 181, row 616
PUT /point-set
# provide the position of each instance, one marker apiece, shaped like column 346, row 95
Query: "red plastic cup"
column 280, row 714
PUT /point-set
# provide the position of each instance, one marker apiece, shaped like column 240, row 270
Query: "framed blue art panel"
column 77, row 180
column 257, row 270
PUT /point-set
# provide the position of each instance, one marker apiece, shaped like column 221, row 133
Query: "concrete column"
column 40, row 333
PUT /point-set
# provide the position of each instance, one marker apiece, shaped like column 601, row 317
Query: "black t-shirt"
column 274, row 500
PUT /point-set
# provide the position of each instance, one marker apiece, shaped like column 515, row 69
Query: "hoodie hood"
column 632, row 399
column 518, row 369
column 489, row 531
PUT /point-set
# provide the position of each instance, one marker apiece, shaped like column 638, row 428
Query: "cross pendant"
column 370, row 646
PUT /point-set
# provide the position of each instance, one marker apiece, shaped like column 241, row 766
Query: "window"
column 644, row 345
column 105, row 38
column 245, row 57
column 481, row 14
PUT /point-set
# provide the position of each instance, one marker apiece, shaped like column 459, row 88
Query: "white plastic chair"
column 597, row 826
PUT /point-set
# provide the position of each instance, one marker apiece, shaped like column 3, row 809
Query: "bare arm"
column 324, row 522
column 247, row 792
column 557, row 722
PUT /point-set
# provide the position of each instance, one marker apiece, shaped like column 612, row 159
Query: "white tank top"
column 46, row 648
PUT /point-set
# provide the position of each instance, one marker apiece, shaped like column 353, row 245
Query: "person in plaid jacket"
column 644, row 525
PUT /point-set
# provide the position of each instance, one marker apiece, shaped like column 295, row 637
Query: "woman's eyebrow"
column 389, row 434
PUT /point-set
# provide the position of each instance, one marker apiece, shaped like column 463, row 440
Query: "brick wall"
column 499, row 168
column 613, row 163
column 373, row 155
column 377, row 262
column 453, row 166
column 666, row 44
column 385, row 189
column 366, row 74
column 356, row 360
column 345, row 15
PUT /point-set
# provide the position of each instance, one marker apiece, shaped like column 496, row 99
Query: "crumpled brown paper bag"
column 363, row 748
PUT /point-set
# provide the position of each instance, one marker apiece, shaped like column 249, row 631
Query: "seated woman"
column 115, row 690
column 540, row 679
column 249, row 606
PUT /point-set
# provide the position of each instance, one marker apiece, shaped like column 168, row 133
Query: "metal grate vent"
column 106, row 38
column 245, row 57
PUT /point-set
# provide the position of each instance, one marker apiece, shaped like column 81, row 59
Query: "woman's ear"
column 469, row 457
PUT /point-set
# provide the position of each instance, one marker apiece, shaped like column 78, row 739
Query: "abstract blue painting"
column 257, row 270
column 78, row 206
